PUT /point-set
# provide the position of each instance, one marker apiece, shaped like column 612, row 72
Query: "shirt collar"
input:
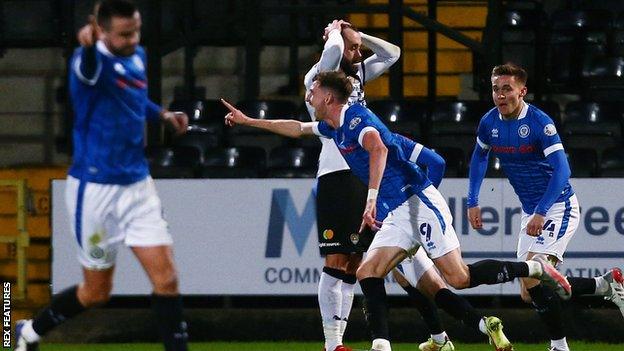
column 523, row 112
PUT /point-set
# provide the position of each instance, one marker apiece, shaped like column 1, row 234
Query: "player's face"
column 353, row 45
column 123, row 34
column 508, row 94
column 317, row 97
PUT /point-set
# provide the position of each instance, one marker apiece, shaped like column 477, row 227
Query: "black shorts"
column 340, row 202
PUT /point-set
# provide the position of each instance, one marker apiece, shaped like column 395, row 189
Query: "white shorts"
column 560, row 224
column 104, row 215
column 413, row 268
column 424, row 219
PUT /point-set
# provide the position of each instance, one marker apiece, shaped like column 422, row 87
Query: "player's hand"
column 235, row 116
column 535, row 225
column 474, row 216
column 335, row 24
column 368, row 218
column 177, row 120
column 89, row 34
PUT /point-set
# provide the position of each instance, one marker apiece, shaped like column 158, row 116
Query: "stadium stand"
column 179, row 161
column 293, row 162
column 234, row 162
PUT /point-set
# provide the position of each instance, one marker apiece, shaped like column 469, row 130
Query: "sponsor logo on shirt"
column 550, row 129
column 119, row 68
column 354, row 122
column 523, row 149
column 524, row 131
column 495, row 133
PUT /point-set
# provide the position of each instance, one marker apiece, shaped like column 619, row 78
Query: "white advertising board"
column 258, row 236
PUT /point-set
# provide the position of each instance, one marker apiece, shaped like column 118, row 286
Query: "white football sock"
column 347, row 303
column 560, row 344
column 29, row 334
column 381, row 345
column 330, row 303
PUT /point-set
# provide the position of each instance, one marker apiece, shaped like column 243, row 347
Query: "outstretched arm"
column 286, row 127
column 385, row 55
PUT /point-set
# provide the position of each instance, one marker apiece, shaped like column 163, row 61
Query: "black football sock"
column 376, row 307
column 458, row 307
column 64, row 306
column 426, row 307
column 496, row 272
column 548, row 307
column 168, row 310
column 582, row 286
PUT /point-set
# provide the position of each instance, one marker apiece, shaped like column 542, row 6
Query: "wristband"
column 372, row 194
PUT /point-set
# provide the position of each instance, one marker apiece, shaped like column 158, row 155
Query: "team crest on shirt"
column 524, row 131
column 495, row 133
column 354, row 122
column 550, row 129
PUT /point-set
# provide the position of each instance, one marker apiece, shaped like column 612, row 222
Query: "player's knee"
column 367, row 271
column 91, row 296
column 166, row 283
column 458, row 280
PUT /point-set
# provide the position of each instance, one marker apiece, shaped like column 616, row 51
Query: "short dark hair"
column 114, row 8
column 337, row 82
column 511, row 69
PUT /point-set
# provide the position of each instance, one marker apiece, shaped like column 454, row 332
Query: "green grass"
column 310, row 346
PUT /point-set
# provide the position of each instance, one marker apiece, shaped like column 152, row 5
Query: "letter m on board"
column 284, row 213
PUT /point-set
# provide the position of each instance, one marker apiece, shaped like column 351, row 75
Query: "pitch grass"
column 310, row 346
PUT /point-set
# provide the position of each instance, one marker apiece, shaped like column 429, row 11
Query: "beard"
column 350, row 69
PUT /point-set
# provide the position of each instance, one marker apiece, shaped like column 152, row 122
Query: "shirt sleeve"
column 434, row 163
column 87, row 65
column 483, row 135
column 555, row 155
column 478, row 164
column 385, row 54
column 152, row 111
column 323, row 129
column 549, row 139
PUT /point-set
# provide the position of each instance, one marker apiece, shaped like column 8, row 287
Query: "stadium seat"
column 583, row 162
column 200, row 136
column 401, row 116
column 519, row 37
column 577, row 37
column 200, row 111
column 604, row 81
column 293, row 162
column 234, row 162
column 454, row 124
column 612, row 164
column 173, row 162
column 455, row 161
column 270, row 109
column 592, row 125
